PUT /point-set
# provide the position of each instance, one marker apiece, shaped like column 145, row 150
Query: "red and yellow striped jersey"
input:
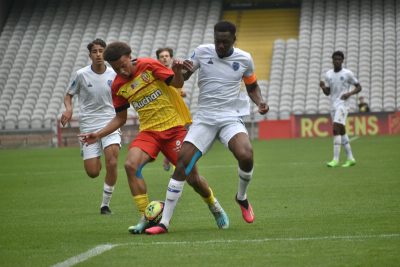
column 159, row 106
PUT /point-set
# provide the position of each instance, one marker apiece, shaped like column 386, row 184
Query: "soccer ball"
column 153, row 212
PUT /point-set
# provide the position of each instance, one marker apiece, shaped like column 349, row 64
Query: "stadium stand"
column 43, row 42
column 365, row 31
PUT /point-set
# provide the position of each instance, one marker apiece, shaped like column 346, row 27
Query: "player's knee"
column 130, row 167
column 93, row 173
column 186, row 165
column 112, row 163
column 245, row 155
column 92, row 167
column 133, row 169
column 179, row 172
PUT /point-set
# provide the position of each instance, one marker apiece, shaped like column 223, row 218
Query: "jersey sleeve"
column 352, row 78
column 74, row 85
column 119, row 102
column 249, row 76
column 195, row 59
column 160, row 71
column 326, row 78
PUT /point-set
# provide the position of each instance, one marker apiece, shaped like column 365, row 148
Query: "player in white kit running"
column 337, row 85
column 93, row 86
column 221, row 106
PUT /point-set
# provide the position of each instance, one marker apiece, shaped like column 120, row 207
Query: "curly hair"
column 116, row 50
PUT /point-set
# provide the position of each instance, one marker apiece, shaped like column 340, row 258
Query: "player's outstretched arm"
column 118, row 121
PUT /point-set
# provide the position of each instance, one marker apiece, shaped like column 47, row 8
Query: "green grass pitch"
column 306, row 214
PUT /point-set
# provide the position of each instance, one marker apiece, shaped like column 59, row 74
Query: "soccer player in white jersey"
column 93, row 86
column 337, row 85
column 222, row 104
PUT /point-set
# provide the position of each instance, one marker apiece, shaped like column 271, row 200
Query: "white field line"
column 264, row 240
column 103, row 248
column 85, row 256
column 354, row 138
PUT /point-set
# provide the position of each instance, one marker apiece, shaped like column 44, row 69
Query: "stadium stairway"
column 258, row 29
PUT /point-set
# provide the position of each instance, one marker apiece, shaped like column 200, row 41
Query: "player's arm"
column 67, row 114
column 178, row 79
column 254, row 92
column 325, row 90
column 118, row 121
column 187, row 69
column 356, row 90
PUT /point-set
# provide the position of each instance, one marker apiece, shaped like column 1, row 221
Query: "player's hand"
column 263, row 108
column 183, row 93
column 345, row 96
column 66, row 117
column 177, row 66
column 188, row 65
column 88, row 138
column 322, row 85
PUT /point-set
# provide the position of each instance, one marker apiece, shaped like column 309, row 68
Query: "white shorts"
column 96, row 150
column 339, row 115
column 202, row 135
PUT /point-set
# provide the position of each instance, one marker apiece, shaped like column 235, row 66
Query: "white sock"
column 174, row 192
column 107, row 194
column 244, row 180
column 347, row 147
column 337, row 142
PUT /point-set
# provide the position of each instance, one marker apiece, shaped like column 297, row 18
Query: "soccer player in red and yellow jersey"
column 147, row 85
column 165, row 56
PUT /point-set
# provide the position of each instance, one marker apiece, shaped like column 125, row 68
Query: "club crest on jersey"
column 210, row 61
column 145, row 77
column 341, row 78
column 178, row 145
column 134, row 84
column 109, row 82
column 235, row 66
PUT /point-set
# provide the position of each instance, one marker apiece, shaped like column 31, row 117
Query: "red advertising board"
column 300, row 126
column 356, row 124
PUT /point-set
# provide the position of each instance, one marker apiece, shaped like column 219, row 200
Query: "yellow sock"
column 211, row 199
column 141, row 202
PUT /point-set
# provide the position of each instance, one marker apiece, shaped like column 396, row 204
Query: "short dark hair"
column 225, row 26
column 162, row 49
column 338, row 53
column 116, row 50
column 97, row 41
